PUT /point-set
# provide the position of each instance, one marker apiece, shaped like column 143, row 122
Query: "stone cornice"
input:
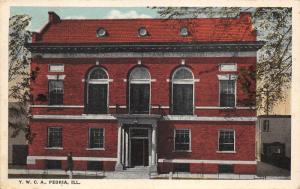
column 145, row 47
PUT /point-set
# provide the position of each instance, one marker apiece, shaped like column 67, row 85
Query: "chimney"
column 35, row 37
column 53, row 18
column 245, row 17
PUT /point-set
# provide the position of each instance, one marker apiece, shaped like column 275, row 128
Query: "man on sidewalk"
column 70, row 165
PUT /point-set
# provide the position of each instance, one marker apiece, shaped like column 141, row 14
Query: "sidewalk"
column 265, row 169
column 60, row 174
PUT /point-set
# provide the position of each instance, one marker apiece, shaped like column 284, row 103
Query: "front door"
column 139, row 151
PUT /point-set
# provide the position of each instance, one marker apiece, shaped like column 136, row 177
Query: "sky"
column 40, row 14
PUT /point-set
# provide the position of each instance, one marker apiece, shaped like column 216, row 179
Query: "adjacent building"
column 164, row 94
column 17, row 144
column 274, row 139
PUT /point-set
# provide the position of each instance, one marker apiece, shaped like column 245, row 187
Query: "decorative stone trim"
column 206, row 161
column 228, row 77
column 56, row 77
column 196, row 118
column 31, row 159
column 224, row 108
column 56, row 106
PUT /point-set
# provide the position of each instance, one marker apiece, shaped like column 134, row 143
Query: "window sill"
column 227, row 107
column 54, row 148
column 91, row 149
column 227, row 152
column 182, row 150
column 57, row 106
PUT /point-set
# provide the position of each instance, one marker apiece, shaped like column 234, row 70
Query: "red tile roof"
column 159, row 30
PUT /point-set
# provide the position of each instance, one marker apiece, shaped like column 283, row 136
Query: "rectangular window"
column 96, row 138
column 227, row 93
column 266, row 125
column 53, row 164
column 56, row 92
column 183, row 99
column 226, row 140
column 54, row 137
column 182, row 139
column 182, row 167
column 56, row 68
column 224, row 168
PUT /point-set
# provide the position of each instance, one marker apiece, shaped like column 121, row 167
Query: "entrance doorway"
column 139, row 152
column 139, row 147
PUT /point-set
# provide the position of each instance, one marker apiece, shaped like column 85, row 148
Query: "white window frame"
column 139, row 81
column 63, row 91
column 98, row 81
column 234, row 143
column 228, row 77
column 183, row 81
column 89, row 135
column 58, row 65
column 48, row 138
column 190, row 140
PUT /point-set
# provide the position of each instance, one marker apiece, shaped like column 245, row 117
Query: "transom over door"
column 97, row 98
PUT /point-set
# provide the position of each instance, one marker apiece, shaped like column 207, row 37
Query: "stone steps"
column 132, row 173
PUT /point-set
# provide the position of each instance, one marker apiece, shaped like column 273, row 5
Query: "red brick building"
column 169, row 95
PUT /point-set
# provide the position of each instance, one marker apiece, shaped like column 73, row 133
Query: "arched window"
column 139, row 91
column 96, row 91
column 182, row 91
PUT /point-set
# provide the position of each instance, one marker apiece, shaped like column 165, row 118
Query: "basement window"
column 53, row 164
column 182, row 167
column 224, row 168
column 94, row 165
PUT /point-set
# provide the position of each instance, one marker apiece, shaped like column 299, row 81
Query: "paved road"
column 265, row 169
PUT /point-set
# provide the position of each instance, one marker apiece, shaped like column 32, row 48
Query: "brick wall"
column 161, row 69
column 75, row 138
column 204, row 140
